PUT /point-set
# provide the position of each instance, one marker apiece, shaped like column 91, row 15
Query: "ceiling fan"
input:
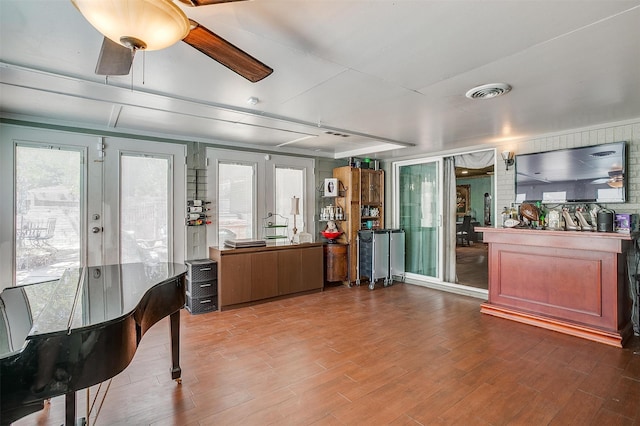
column 131, row 25
column 615, row 179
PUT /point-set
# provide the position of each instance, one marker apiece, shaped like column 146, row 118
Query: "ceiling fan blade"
column 196, row 3
column 226, row 53
column 114, row 59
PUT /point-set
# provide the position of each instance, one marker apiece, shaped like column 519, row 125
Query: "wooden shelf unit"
column 364, row 189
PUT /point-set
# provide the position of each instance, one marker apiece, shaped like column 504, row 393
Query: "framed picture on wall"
column 463, row 199
column 331, row 187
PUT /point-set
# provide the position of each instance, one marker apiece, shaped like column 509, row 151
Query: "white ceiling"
column 391, row 75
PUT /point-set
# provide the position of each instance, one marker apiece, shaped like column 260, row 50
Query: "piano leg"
column 70, row 411
column 176, row 371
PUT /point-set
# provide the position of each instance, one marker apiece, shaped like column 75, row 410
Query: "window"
column 48, row 211
column 289, row 184
column 245, row 187
column 144, row 206
column 235, row 201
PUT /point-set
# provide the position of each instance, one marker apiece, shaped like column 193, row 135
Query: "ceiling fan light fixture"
column 157, row 24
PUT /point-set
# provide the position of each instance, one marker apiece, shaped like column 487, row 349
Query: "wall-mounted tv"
column 594, row 174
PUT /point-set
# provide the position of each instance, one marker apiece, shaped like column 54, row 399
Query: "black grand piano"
column 62, row 336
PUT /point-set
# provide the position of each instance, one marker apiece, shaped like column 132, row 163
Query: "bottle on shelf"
column 195, row 216
column 541, row 214
column 198, row 222
column 198, row 209
column 197, row 213
column 504, row 216
column 197, row 203
column 513, row 212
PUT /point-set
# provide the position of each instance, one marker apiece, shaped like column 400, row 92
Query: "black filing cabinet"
column 202, row 286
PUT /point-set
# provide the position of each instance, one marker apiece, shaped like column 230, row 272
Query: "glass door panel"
column 142, row 203
column 419, row 216
column 289, row 184
column 236, row 201
column 72, row 202
column 49, row 184
column 145, row 194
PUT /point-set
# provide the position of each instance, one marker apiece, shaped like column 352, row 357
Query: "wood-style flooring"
column 401, row 355
column 472, row 265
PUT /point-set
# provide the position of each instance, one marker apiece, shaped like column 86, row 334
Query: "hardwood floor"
column 401, row 355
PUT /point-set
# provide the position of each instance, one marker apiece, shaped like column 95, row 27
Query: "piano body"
column 62, row 336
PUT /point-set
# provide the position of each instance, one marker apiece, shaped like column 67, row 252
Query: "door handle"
column 96, row 229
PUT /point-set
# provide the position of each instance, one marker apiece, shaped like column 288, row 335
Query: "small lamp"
column 507, row 156
column 295, row 210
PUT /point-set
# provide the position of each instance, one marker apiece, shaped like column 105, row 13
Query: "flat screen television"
column 590, row 174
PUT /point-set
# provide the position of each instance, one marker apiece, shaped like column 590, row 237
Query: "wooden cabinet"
column 311, row 269
column 363, row 205
column 571, row 282
column 264, row 275
column 237, row 269
column 335, row 261
column 256, row 274
column 299, row 270
column 371, row 187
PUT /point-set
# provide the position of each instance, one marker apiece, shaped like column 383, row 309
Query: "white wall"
column 606, row 133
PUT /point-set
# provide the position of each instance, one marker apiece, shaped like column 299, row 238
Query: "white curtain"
column 449, row 225
column 475, row 160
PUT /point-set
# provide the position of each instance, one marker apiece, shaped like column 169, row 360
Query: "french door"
column 248, row 190
column 87, row 200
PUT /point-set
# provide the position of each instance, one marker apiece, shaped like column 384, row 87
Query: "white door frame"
column 264, row 183
column 98, row 193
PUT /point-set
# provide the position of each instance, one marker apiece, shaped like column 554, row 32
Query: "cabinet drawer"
column 202, row 289
column 201, row 270
column 202, row 305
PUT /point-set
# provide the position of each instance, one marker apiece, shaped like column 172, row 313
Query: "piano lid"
column 82, row 297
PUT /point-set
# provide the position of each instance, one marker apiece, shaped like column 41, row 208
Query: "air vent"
column 602, row 154
column 343, row 135
column 488, row 91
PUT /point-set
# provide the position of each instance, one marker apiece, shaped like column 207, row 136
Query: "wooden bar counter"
column 257, row 274
column 568, row 281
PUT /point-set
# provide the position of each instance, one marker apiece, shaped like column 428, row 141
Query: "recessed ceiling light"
column 342, row 135
column 488, row 91
column 464, row 172
column 602, row 153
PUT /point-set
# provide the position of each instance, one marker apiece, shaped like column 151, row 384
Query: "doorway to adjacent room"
column 474, row 208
